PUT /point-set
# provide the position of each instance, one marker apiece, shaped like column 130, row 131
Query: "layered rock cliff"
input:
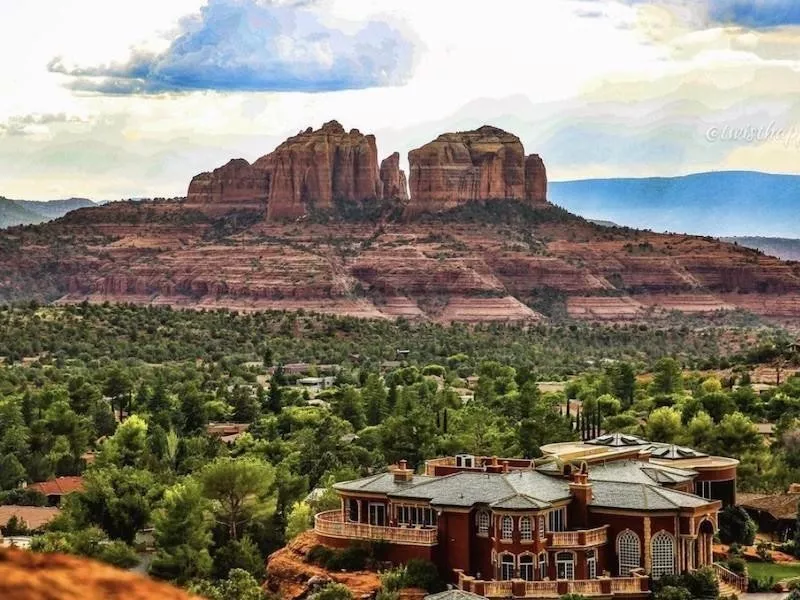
column 315, row 168
column 393, row 179
column 485, row 164
column 234, row 187
column 308, row 171
column 535, row 180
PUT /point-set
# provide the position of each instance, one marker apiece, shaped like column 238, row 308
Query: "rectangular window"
column 703, row 489
column 352, row 510
column 557, row 519
column 543, row 566
column 541, row 528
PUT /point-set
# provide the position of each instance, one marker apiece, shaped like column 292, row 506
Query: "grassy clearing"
column 778, row 571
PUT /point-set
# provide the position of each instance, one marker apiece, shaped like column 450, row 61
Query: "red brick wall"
column 453, row 551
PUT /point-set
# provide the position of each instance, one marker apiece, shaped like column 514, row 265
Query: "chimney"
column 581, row 491
column 402, row 474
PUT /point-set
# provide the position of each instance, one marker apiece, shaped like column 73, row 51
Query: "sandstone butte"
column 315, row 168
column 29, row 576
column 485, row 164
column 310, row 170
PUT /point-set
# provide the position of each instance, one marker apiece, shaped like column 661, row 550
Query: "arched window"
column 565, row 565
column 629, row 551
column 543, row 566
column 591, row 564
column 507, row 528
column 483, row 522
column 526, row 567
column 525, row 529
column 541, row 528
column 507, row 567
column 663, row 549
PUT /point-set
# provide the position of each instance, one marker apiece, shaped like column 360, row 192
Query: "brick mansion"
column 598, row 518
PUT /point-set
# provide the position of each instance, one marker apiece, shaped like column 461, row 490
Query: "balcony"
column 575, row 539
column 602, row 587
column 331, row 524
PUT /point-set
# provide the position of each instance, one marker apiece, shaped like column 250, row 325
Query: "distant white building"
column 316, row 384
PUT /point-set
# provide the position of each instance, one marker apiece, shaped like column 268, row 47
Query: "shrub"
column 352, row 558
column 333, row 591
column 737, row 565
column 702, row 583
column 764, row 584
column 670, row 592
column 118, row 554
column 763, row 551
column 15, row 526
column 319, row 555
column 417, row 573
column 735, row 525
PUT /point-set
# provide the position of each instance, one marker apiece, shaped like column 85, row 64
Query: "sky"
column 122, row 99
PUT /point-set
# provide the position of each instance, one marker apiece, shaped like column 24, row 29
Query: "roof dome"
column 618, row 440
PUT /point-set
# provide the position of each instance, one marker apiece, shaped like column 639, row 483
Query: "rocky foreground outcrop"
column 290, row 577
column 28, row 576
column 485, row 164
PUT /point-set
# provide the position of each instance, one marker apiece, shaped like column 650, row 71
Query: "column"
column 648, row 557
column 359, row 511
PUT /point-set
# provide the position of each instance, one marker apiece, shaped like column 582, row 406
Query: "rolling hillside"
column 29, row 212
column 725, row 203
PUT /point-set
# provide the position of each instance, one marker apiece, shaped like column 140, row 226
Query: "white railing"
column 738, row 581
column 332, row 524
column 498, row 589
column 586, row 587
column 625, row 585
column 571, row 539
column 541, row 589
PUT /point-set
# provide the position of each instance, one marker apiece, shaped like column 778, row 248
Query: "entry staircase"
column 729, row 582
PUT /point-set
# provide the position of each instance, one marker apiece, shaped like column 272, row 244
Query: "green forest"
column 123, row 395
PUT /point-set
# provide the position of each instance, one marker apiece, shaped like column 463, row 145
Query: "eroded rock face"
column 315, row 168
column 485, row 164
column 309, row 170
column 393, row 179
column 235, row 186
column 535, row 180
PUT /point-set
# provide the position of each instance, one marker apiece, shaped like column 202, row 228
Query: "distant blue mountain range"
column 724, row 203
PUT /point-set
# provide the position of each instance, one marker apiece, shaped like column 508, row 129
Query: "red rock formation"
column 535, row 180
column 393, row 179
column 290, row 577
column 235, row 186
column 485, row 164
column 28, row 576
column 315, row 168
column 309, row 170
